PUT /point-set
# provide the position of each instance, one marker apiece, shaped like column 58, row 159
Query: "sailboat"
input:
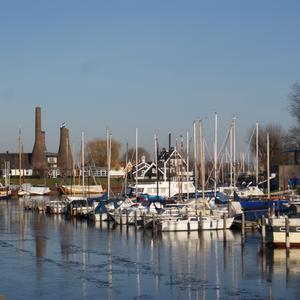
column 209, row 218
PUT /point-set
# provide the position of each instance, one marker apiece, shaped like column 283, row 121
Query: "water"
column 50, row 257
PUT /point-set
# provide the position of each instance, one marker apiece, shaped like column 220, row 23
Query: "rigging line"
column 221, row 150
column 225, row 141
column 93, row 164
column 221, row 161
column 249, row 144
column 207, row 149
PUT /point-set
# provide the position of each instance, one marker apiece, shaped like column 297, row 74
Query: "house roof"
column 13, row 158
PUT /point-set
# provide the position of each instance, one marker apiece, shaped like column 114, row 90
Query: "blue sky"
column 155, row 65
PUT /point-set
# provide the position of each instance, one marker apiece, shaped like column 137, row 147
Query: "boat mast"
column 202, row 160
column 215, row 155
column 181, row 166
column 73, row 168
column 156, row 163
column 20, row 157
column 169, row 165
column 231, row 154
column 234, row 153
column 108, row 161
column 195, row 159
column 256, row 161
column 187, row 164
column 82, row 162
column 268, row 163
column 126, row 163
column 136, row 162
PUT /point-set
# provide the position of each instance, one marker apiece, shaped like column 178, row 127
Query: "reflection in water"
column 21, row 226
column 40, row 232
column 109, row 268
column 282, row 261
column 92, row 261
column 138, row 282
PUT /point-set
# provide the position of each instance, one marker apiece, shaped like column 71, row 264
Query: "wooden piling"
column 135, row 220
column 287, row 233
column 144, row 221
column 121, row 220
column 263, row 229
column 154, row 223
column 127, row 218
column 200, row 221
column 115, row 216
column 224, row 222
column 188, row 226
column 229, row 207
column 243, row 225
column 224, row 226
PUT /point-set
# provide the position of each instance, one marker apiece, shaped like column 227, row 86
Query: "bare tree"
column 131, row 154
column 293, row 137
column 277, row 135
column 97, row 152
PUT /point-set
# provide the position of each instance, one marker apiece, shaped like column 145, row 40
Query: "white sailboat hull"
column 207, row 223
column 276, row 235
column 79, row 189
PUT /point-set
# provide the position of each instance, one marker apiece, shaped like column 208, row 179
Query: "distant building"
column 52, row 159
column 290, row 171
column 12, row 161
column 170, row 165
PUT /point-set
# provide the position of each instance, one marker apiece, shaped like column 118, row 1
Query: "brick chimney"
column 38, row 157
column 65, row 158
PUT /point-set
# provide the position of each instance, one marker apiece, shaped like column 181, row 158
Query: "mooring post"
column 135, row 220
column 200, row 221
column 115, row 216
column 263, row 229
column 287, row 233
column 144, row 220
column 127, row 218
column 243, row 225
column 121, row 220
column 154, row 223
column 224, row 226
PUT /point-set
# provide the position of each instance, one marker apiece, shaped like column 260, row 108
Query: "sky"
column 153, row 65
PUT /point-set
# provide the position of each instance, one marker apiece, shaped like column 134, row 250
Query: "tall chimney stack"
column 65, row 158
column 38, row 158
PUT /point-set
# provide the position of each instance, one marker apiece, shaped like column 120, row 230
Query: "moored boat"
column 28, row 189
column 195, row 223
column 81, row 189
column 276, row 228
column 5, row 192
